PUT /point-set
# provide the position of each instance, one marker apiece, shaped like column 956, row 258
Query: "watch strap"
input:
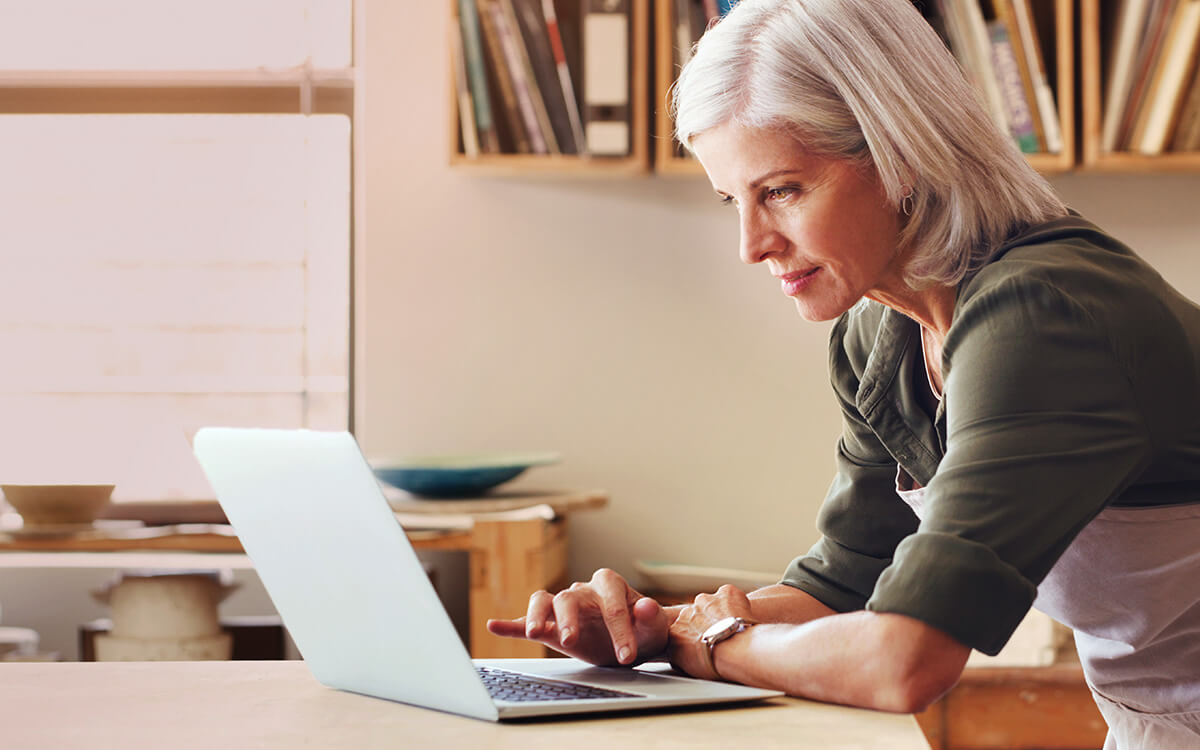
column 709, row 643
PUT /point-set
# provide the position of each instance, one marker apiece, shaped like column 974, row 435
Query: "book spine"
column 564, row 75
column 1006, row 15
column 1187, row 131
column 683, row 32
column 521, row 84
column 525, row 62
column 466, row 107
column 1177, row 58
column 472, row 45
column 1047, row 107
column 981, row 52
column 1143, row 74
column 1130, row 20
column 531, row 22
column 962, row 45
column 517, row 136
column 1004, row 62
column 606, row 77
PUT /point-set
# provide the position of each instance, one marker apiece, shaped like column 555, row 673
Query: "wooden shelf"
column 552, row 164
column 649, row 89
column 637, row 162
column 1093, row 16
column 666, row 160
column 1060, row 59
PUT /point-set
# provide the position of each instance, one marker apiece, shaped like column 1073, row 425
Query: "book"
column 606, row 77
column 531, row 22
column 1131, row 19
column 685, row 34
column 980, row 51
column 1143, row 69
column 466, row 108
column 525, row 59
column 541, row 140
column 471, row 43
column 569, row 20
column 1006, row 15
column 974, row 59
column 1008, row 76
column 1187, row 130
column 1047, row 106
column 563, row 71
column 513, row 136
column 1170, row 77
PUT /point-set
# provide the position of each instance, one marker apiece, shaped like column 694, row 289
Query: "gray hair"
column 871, row 82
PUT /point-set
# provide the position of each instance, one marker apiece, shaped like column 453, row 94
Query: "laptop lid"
column 338, row 566
column 347, row 583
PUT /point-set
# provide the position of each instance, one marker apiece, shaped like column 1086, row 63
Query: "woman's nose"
column 758, row 238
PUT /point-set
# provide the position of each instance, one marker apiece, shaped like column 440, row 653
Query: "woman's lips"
column 795, row 283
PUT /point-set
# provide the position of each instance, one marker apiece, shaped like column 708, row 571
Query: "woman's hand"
column 686, row 651
column 604, row 621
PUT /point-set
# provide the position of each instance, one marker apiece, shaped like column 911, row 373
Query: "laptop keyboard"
column 503, row 685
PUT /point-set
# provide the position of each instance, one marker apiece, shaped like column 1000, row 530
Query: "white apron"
column 1129, row 586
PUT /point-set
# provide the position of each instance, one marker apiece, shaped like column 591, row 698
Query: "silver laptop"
column 361, row 609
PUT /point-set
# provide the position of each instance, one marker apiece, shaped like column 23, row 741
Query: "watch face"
column 721, row 629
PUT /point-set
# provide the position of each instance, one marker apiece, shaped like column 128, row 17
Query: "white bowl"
column 58, row 504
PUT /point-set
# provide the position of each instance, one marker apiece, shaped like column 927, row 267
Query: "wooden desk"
column 269, row 705
column 516, row 542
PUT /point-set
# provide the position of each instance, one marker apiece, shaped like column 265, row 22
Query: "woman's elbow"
column 916, row 691
column 921, row 671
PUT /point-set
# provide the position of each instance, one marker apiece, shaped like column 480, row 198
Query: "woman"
column 1020, row 394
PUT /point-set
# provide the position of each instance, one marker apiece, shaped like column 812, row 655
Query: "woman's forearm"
column 874, row 660
column 781, row 603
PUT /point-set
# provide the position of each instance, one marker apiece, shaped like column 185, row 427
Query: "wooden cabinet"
column 1097, row 22
column 637, row 161
column 1056, row 32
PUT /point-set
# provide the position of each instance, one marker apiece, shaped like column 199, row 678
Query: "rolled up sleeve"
column 861, row 520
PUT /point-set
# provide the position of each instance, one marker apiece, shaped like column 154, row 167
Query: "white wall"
column 608, row 319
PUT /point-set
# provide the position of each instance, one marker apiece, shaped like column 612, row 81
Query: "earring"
column 906, row 199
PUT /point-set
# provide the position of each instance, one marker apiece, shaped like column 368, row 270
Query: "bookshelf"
column 1056, row 33
column 635, row 162
column 1097, row 22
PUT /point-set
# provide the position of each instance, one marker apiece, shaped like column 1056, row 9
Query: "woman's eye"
column 778, row 194
column 727, row 200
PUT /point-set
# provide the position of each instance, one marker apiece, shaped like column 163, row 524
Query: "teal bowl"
column 457, row 476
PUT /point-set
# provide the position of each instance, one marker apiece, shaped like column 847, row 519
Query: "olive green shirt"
column 1070, row 383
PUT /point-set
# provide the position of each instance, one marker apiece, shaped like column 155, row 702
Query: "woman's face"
column 822, row 226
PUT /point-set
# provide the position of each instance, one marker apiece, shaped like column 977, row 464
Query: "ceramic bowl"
column 456, row 476
column 58, row 504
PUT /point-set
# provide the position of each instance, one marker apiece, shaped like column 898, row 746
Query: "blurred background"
column 608, row 319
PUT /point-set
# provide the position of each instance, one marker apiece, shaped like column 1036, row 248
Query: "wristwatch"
column 720, row 631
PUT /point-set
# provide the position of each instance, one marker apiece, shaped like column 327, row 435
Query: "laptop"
column 360, row 607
